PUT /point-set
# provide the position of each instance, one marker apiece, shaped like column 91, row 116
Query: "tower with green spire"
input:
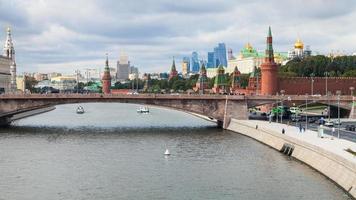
column 269, row 85
column 236, row 79
column 220, row 83
column 106, row 79
column 202, row 82
column 173, row 72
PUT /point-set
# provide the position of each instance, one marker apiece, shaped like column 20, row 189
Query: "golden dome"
column 248, row 46
column 299, row 44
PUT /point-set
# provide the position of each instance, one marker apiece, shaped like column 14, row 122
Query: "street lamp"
column 326, row 82
column 77, row 77
column 282, row 110
column 306, row 112
column 312, row 84
column 352, row 90
column 338, row 113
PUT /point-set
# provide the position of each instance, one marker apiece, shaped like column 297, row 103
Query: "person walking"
column 333, row 131
column 300, row 128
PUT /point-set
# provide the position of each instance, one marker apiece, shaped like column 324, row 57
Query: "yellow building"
column 21, row 83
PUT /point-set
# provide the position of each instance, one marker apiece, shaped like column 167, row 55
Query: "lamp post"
column 77, row 74
column 352, row 90
column 312, row 84
column 282, row 109
column 326, row 82
column 338, row 113
column 306, row 113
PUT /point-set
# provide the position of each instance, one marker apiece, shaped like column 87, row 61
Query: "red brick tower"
column 269, row 70
column 106, row 79
column 173, row 72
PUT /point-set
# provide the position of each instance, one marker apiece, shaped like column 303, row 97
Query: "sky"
column 65, row 35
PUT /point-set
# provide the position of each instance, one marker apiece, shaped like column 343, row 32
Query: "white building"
column 64, row 82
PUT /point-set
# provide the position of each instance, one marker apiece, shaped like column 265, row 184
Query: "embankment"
column 341, row 170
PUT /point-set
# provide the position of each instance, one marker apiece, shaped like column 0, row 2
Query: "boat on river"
column 80, row 110
column 143, row 109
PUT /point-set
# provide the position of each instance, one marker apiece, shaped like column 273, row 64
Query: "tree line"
column 344, row 66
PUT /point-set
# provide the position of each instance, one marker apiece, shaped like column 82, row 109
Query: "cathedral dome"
column 299, row 44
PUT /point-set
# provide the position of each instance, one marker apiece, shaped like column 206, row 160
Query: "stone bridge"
column 219, row 107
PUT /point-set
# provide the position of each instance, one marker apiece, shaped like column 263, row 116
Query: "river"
column 112, row 152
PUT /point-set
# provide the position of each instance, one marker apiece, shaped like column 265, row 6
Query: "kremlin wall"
column 303, row 85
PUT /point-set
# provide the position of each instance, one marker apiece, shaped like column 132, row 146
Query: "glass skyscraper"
column 210, row 63
column 220, row 55
column 195, row 66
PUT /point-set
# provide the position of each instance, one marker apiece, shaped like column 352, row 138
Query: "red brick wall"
column 302, row 85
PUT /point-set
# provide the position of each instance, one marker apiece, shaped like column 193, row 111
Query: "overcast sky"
column 63, row 35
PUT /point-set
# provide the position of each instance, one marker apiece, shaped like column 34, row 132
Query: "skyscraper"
column 220, row 55
column 123, row 67
column 185, row 66
column 210, row 63
column 195, row 62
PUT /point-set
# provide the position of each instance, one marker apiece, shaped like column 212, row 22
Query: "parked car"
column 329, row 123
column 350, row 127
column 337, row 122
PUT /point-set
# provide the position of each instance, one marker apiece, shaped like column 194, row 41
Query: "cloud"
column 61, row 35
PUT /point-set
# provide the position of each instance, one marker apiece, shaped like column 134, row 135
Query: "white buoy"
column 166, row 153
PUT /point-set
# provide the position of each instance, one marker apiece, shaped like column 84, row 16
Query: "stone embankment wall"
column 338, row 169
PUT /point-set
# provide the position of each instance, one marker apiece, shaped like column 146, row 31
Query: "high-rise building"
column 220, row 55
column 269, row 69
column 123, row 67
column 8, row 66
column 106, row 79
column 186, row 66
column 195, row 62
column 211, row 58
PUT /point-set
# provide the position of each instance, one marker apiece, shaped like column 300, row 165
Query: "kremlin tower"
column 202, row 82
column 173, row 72
column 269, row 70
column 236, row 80
column 106, row 79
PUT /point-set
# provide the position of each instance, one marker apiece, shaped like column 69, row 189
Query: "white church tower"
column 9, row 52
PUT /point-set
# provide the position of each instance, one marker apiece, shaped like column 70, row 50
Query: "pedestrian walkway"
column 335, row 145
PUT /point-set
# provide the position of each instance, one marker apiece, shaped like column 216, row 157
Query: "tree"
column 30, row 83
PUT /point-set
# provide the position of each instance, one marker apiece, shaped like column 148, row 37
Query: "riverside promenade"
column 326, row 155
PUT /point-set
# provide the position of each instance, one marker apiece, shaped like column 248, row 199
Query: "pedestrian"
column 283, row 131
column 270, row 118
column 300, row 128
column 303, row 129
column 333, row 131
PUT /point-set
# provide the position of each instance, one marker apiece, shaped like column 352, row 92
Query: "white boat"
column 80, row 110
column 166, row 153
column 143, row 110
